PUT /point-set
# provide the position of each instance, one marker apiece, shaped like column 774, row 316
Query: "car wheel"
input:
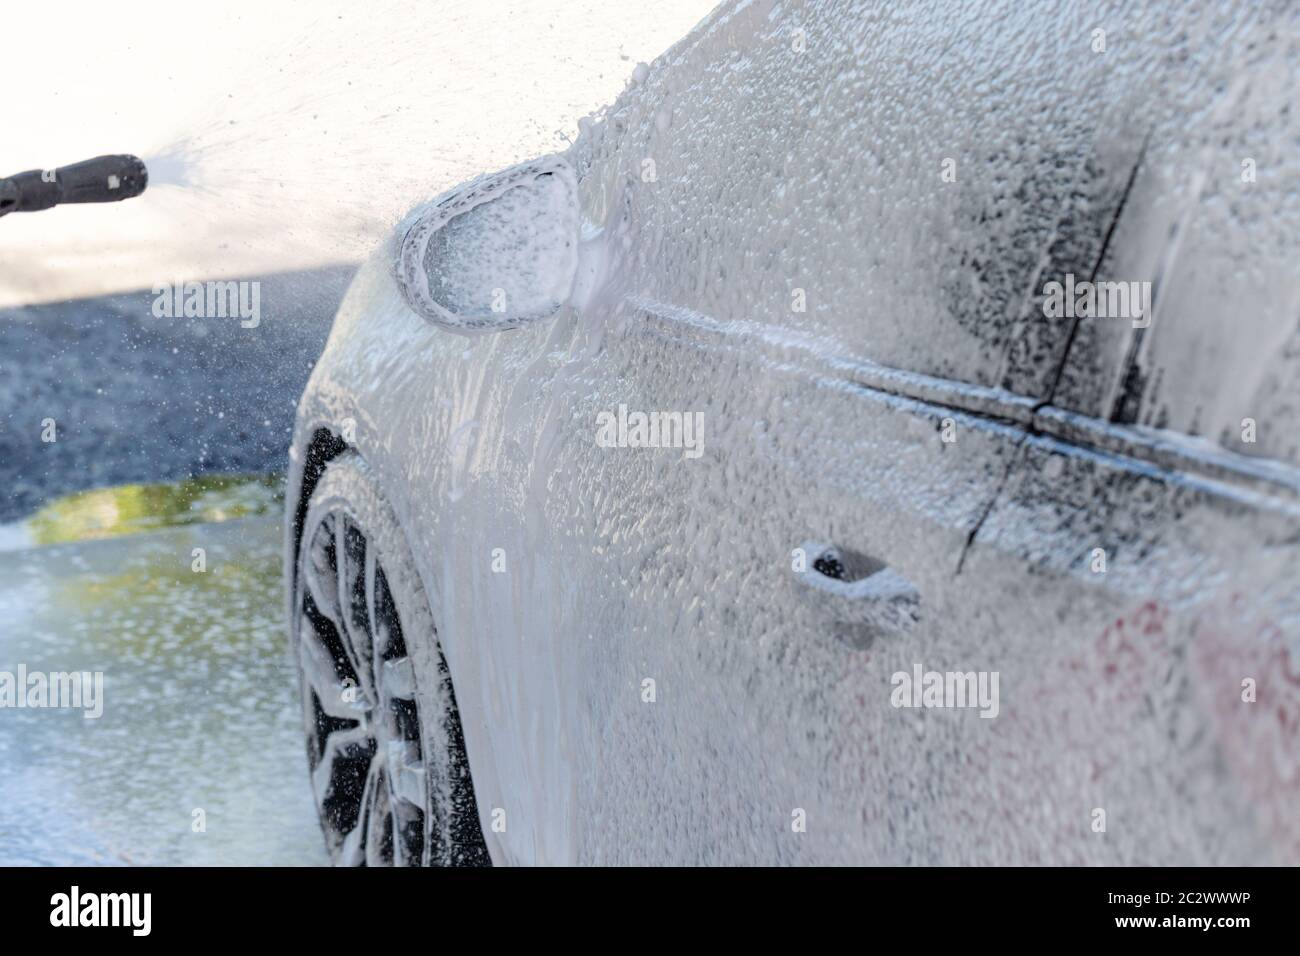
column 384, row 744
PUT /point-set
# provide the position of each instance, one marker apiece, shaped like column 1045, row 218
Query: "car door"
column 776, row 249
column 1151, row 673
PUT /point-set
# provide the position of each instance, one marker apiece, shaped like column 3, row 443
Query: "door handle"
column 861, row 596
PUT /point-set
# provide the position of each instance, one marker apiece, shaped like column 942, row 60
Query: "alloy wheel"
column 364, row 745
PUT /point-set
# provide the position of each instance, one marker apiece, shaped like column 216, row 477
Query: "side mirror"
column 497, row 253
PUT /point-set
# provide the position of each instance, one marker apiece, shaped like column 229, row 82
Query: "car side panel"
column 1151, row 668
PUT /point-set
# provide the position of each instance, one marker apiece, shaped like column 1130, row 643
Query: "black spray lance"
column 102, row 179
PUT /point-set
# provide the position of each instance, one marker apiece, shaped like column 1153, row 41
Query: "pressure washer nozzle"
column 102, row 179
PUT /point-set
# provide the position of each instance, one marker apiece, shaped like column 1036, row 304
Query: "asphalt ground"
column 137, row 398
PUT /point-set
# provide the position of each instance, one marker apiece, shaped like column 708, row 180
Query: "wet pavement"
column 198, row 756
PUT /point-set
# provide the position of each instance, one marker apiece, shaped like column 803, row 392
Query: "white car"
column 873, row 441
